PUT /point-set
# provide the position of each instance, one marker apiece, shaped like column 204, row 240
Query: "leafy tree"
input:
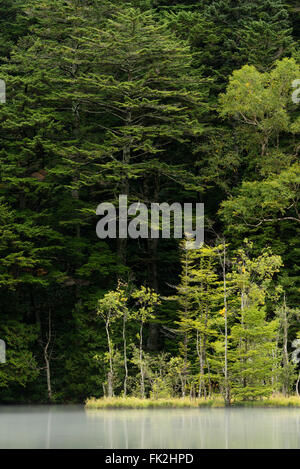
column 197, row 300
column 110, row 308
column 262, row 101
column 267, row 198
column 253, row 337
column 286, row 316
column 146, row 302
column 204, row 280
column 186, row 312
column 295, row 358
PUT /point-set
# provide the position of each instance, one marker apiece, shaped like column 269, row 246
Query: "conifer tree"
column 253, row 337
column 144, row 97
column 253, row 32
column 13, row 24
column 197, row 299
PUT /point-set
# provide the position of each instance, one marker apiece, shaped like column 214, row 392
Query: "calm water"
column 73, row 427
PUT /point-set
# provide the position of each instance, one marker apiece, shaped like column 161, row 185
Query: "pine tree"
column 21, row 367
column 253, row 32
column 152, row 102
column 197, row 299
column 13, row 25
column 51, row 262
column 253, row 337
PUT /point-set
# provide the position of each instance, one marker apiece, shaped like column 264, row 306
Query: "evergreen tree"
column 197, row 299
column 21, row 367
column 253, row 337
column 13, row 25
column 238, row 25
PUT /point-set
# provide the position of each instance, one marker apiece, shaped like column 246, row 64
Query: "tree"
column 286, row 316
column 239, row 23
column 41, row 258
column 221, row 250
column 185, row 312
column 13, row 25
column 262, row 101
column 146, row 302
column 21, row 367
column 152, row 101
column 296, row 360
column 197, row 300
column 110, row 308
column 253, row 338
column 204, row 280
column 265, row 204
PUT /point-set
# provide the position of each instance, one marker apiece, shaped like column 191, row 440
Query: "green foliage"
column 253, row 358
column 20, row 367
column 107, row 97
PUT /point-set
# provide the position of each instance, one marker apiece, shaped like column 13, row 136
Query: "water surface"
column 75, row 427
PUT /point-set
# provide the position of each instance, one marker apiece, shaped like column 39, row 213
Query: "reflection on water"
column 73, row 427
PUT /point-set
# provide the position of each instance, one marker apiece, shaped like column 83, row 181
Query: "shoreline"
column 187, row 403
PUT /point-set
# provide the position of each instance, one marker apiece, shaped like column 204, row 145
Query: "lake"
column 75, row 427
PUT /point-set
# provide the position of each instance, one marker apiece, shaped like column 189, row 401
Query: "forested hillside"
column 163, row 101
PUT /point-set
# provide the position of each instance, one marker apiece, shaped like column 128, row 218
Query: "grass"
column 186, row 403
column 137, row 403
column 274, row 401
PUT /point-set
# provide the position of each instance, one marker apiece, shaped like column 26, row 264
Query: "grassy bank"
column 180, row 403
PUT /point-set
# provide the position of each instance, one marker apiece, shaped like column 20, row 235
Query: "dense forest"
column 164, row 101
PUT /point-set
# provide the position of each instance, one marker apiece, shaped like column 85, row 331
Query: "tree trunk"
column 125, row 354
column 141, row 363
column 152, row 245
column 122, row 242
column 48, row 372
column 226, row 384
column 201, row 357
column 285, row 347
column 209, row 380
column 110, row 374
column 47, row 358
column 184, row 377
column 297, row 385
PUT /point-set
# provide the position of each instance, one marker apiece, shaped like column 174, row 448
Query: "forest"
column 162, row 101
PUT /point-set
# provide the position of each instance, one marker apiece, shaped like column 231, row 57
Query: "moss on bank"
column 180, row 403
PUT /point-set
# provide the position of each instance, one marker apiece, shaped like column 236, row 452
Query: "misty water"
column 75, row 427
